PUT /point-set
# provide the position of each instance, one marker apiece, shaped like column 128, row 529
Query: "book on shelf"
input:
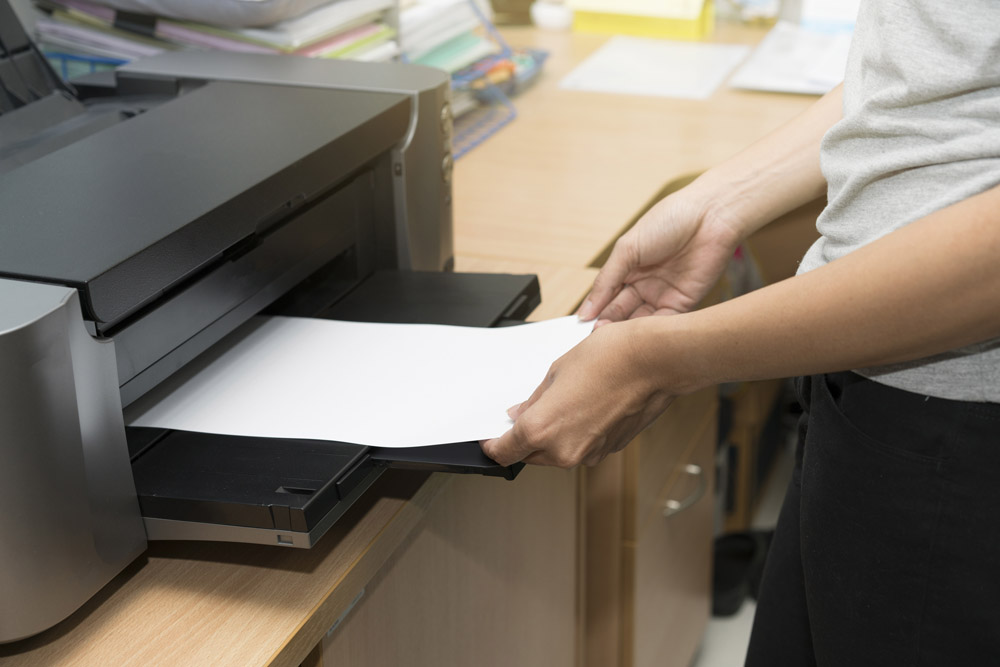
column 342, row 29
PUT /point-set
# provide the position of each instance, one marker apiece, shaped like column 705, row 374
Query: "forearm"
column 930, row 287
column 775, row 175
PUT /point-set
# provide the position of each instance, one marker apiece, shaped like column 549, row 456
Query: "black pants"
column 887, row 550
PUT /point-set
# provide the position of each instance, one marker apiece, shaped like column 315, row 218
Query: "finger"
column 540, row 458
column 622, row 305
column 505, row 450
column 642, row 311
column 609, row 281
column 535, row 395
column 509, row 444
column 555, row 459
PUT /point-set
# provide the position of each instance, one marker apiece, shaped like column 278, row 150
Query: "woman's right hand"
column 665, row 264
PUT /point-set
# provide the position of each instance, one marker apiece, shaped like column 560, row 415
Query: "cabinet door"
column 659, row 451
column 641, row 567
column 672, row 564
column 488, row 579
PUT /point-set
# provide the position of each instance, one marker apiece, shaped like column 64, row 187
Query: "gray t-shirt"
column 921, row 131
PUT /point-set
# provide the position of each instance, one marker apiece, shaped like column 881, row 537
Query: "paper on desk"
column 657, row 67
column 385, row 385
column 794, row 59
column 830, row 14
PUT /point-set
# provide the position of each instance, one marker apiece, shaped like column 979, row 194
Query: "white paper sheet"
column 830, row 14
column 657, row 67
column 794, row 59
column 385, row 385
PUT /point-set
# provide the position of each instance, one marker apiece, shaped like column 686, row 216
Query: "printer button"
column 447, row 165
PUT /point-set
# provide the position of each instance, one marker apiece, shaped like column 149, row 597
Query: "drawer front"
column 661, row 446
column 672, row 565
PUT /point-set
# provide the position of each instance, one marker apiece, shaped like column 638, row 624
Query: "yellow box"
column 694, row 28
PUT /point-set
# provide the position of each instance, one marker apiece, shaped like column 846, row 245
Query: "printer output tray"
column 198, row 486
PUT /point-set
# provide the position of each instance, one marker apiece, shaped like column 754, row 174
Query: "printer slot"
column 158, row 343
column 432, row 297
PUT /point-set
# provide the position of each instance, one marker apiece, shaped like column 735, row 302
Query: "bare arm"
column 929, row 287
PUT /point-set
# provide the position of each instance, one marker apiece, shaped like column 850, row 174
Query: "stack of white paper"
column 385, row 385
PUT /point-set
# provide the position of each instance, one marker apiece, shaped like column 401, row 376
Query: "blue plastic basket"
column 495, row 108
column 70, row 65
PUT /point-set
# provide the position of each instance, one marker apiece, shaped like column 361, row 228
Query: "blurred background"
column 804, row 53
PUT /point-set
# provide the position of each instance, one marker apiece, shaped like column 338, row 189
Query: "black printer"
column 149, row 212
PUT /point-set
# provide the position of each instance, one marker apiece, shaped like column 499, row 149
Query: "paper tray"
column 198, row 486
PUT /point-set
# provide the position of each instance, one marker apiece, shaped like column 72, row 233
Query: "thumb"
column 505, row 450
column 609, row 281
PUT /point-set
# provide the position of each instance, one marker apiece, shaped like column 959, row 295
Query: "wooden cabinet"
column 648, row 574
column 559, row 568
column 753, row 405
column 489, row 578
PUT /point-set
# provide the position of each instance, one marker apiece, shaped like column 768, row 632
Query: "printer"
column 145, row 215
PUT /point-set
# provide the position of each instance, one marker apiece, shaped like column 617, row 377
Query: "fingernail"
column 601, row 323
column 512, row 411
column 585, row 311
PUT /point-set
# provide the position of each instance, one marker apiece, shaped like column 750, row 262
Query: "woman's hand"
column 603, row 392
column 670, row 259
column 664, row 265
column 593, row 401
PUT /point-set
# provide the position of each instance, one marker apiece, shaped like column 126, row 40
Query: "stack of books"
column 458, row 36
column 353, row 29
column 447, row 34
column 451, row 35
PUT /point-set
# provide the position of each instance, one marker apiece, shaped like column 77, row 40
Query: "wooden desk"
column 496, row 570
column 570, row 173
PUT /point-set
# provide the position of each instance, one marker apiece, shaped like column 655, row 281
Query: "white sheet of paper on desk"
column 656, row 67
column 829, row 14
column 794, row 59
column 385, row 385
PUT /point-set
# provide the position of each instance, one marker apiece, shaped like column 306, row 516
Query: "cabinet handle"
column 672, row 507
